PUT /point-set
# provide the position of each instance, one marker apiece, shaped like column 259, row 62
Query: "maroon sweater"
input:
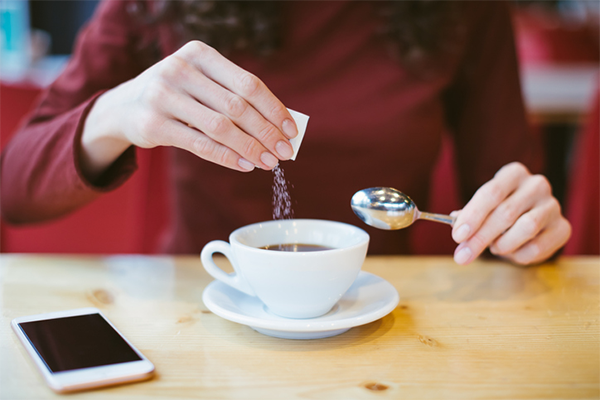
column 372, row 123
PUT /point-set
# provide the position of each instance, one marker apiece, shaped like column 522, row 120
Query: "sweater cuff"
column 117, row 173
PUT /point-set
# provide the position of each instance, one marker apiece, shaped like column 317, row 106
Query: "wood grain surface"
column 489, row 330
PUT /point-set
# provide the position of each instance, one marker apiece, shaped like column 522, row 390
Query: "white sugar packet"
column 301, row 123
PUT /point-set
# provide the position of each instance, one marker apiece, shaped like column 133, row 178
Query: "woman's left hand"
column 515, row 215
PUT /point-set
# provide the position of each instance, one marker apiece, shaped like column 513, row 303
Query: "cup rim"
column 365, row 240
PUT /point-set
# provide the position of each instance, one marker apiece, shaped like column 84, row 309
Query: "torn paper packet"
column 301, row 122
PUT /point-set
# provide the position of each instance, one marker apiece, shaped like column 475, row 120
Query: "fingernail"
column 284, row 149
column 245, row 164
column 461, row 233
column 269, row 160
column 289, row 128
column 463, row 256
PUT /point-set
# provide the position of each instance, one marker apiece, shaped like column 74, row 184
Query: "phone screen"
column 82, row 341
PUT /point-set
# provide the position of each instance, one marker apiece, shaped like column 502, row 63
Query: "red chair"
column 16, row 102
column 128, row 220
column 583, row 200
column 543, row 37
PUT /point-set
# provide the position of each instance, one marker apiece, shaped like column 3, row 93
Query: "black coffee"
column 296, row 247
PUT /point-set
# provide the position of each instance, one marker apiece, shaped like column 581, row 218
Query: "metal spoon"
column 389, row 209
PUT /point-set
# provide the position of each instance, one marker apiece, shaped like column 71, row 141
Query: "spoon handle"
column 445, row 219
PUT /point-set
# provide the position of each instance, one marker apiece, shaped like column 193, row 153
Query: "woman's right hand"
column 196, row 100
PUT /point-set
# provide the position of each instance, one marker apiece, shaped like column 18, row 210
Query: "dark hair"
column 422, row 32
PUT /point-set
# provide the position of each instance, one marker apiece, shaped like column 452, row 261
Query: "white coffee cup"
column 303, row 284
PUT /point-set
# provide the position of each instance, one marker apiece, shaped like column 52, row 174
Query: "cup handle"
column 234, row 279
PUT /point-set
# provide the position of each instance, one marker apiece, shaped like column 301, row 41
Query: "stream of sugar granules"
column 282, row 201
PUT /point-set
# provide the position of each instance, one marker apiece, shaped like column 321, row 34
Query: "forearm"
column 41, row 176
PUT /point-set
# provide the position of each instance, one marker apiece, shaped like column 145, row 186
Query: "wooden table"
column 489, row 330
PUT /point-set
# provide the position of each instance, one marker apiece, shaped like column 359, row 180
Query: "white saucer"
column 368, row 299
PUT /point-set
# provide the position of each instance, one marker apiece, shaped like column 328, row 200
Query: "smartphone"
column 80, row 349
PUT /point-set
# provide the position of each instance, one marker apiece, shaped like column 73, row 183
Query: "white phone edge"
column 85, row 378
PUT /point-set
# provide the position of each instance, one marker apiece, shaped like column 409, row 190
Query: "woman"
column 377, row 117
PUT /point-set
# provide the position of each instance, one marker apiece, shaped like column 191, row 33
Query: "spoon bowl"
column 390, row 209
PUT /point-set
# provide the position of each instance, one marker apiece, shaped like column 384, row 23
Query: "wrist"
column 102, row 141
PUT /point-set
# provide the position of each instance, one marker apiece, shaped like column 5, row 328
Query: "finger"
column 220, row 129
column 241, row 113
column 486, row 199
column 544, row 245
column 526, row 227
column 503, row 217
column 463, row 254
column 455, row 213
column 180, row 135
column 242, row 83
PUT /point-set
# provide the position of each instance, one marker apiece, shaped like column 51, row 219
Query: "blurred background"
column 559, row 51
column 37, row 37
